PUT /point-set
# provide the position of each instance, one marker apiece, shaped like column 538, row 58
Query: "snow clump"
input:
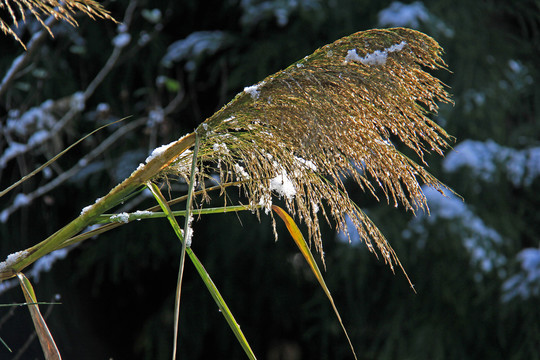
column 121, row 218
column 12, row 259
column 158, row 151
column 378, row 57
column 254, row 90
column 283, row 185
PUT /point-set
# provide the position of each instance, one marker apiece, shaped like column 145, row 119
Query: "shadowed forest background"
column 475, row 264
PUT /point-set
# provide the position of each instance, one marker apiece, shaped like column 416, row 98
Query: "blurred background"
column 475, row 263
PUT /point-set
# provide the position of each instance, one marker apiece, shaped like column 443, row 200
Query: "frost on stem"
column 121, row 218
column 141, row 213
column 188, row 235
column 89, row 207
column 158, row 151
column 12, row 259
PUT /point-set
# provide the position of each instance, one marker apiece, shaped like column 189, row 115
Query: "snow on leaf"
column 158, row 151
column 12, row 259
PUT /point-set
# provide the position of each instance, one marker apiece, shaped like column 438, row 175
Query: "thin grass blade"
column 45, row 337
column 223, row 308
column 148, row 214
column 6, row 345
column 304, row 249
column 167, row 210
column 216, row 295
column 53, row 159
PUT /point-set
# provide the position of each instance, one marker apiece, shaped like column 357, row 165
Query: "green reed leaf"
column 214, row 292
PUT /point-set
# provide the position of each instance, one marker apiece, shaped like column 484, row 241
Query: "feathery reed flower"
column 300, row 132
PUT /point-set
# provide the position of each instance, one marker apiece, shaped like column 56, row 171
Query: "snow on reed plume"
column 300, row 132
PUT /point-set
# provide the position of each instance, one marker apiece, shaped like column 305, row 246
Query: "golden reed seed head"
column 334, row 115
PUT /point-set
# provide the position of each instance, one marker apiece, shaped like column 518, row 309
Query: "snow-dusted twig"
column 76, row 105
column 25, row 199
column 119, row 42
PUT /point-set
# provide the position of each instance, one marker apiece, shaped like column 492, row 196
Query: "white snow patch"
column 155, row 116
column 87, row 208
column 306, row 163
column 78, row 101
column 283, row 185
column 220, row 148
column 38, row 137
column 103, row 108
column 378, row 57
column 47, row 172
column 121, row 218
column 121, row 28
column 188, row 236
column 266, row 202
column 12, row 151
column 158, row 151
column 12, row 259
column 254, row 90
column 241, row 173
column 141, row 213
column 4, row 216
column 194, row 47
column 152, row 15
column 515, row 66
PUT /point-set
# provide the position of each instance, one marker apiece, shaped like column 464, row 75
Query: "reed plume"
column 330, row 116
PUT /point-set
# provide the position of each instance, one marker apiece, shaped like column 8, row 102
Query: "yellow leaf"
column 45, row 338
column 304, row 249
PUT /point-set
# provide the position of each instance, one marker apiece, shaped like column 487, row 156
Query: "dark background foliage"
column 117, row 291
